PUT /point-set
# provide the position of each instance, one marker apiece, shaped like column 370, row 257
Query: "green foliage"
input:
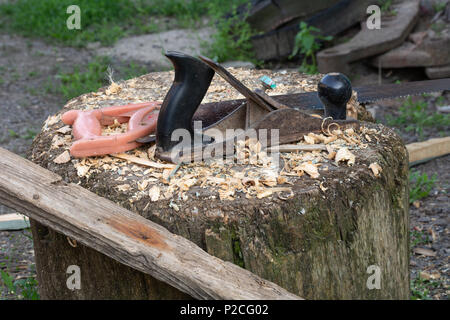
column 420, row 185
column 91, row 78
column 78, row 82
column 416, row 116
column 106, row 21
column 28, row 288
column 307, row 43
column 8, row 281
column 101, row 20
column 232, row 39
column 24, row 288
column 419, row 238
column 420, row 288
column 13, row 134
column 386, row 7
column 439, row 6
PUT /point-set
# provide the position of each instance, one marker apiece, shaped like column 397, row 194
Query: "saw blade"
column 370, row 93
column 373, row 93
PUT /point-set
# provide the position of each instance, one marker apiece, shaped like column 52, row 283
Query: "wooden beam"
column 125, row 236
column 429, row 149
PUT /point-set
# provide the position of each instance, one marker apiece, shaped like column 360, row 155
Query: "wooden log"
column 316, row 241
column 267, row 15
column 125, row 236
column 367, row 43
column 278, row 43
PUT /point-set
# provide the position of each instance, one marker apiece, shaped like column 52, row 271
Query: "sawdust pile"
column 252, row 172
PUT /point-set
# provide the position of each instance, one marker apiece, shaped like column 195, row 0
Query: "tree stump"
column 329, row 233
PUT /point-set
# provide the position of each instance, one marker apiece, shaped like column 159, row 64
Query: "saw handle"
column 334, row 91
column 192, row 80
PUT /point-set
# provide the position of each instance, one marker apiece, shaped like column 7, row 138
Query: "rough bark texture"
column 102, row 277
column 316, row 244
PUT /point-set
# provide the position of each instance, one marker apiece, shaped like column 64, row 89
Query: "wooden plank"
column 13, row 221
column 432, row 148
column 367, row 43
column 125, row 236
column 331, row 21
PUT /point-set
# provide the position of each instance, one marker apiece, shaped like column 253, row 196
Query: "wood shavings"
column 62, row 158
column 248, row 175
column 51, row 121
column 308, row 168
column 123, row 187
column 114, row 88
column 174, row 206
column 154, row 193
column 268, row 192
column 82, row 169
column 309, row 140
column 376, row 169
column 142, row 161
column 142, row 185
column 64, row 130
column 352, row 106
column 344, row 155
column 57, row 142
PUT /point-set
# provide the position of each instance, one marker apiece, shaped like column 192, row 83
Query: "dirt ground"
column 27, row 67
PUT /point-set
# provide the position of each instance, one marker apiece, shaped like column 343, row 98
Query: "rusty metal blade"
column 370, row 93
column 385, row 91
column 211, row 113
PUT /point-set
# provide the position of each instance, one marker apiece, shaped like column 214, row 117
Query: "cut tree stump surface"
column 315, row 237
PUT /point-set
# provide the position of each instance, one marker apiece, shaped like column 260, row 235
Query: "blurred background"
column 44, row 62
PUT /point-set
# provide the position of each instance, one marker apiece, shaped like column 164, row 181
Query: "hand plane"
column 179, row 139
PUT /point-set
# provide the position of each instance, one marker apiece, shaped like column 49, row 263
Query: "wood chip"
column 344, row 155
column 62, row 158
column 430, row 276
column 114, row 88
column 309, row 139
column 64, row 130
column 309, row 168
column 154, row 193
column 424, row 252
column 268, row 192
column 376, row 169
column 143, row 162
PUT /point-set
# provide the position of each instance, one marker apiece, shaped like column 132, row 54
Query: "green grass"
column 415, row 116
column 101, row 20
column 420, row 288
column 420, row 185
column 307, row 43
column 106, row 21
column 439, row 6
column 232, row 39
column 419, row 238
column 24, row 289
column 90, row 78
column 386, row 7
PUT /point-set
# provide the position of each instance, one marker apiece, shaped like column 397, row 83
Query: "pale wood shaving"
column 62, row 158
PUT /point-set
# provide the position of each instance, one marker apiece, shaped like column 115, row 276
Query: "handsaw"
column 212, row 112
